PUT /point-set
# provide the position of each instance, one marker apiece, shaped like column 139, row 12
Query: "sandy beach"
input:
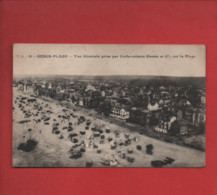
column 64, row 138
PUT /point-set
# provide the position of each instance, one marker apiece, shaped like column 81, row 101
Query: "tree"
column 202, row 127
column 102, row 88
column 153, row 120
column 175, row 128
column 105, row 107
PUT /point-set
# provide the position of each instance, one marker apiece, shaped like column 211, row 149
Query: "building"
column 120, row 112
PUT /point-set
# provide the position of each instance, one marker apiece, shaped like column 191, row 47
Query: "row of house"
column 165, row 110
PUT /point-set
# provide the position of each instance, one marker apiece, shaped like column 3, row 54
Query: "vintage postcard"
column 105, row 105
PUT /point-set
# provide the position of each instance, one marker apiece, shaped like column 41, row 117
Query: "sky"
column 76, row 59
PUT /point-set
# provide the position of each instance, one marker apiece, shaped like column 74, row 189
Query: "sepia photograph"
column 109, row 105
